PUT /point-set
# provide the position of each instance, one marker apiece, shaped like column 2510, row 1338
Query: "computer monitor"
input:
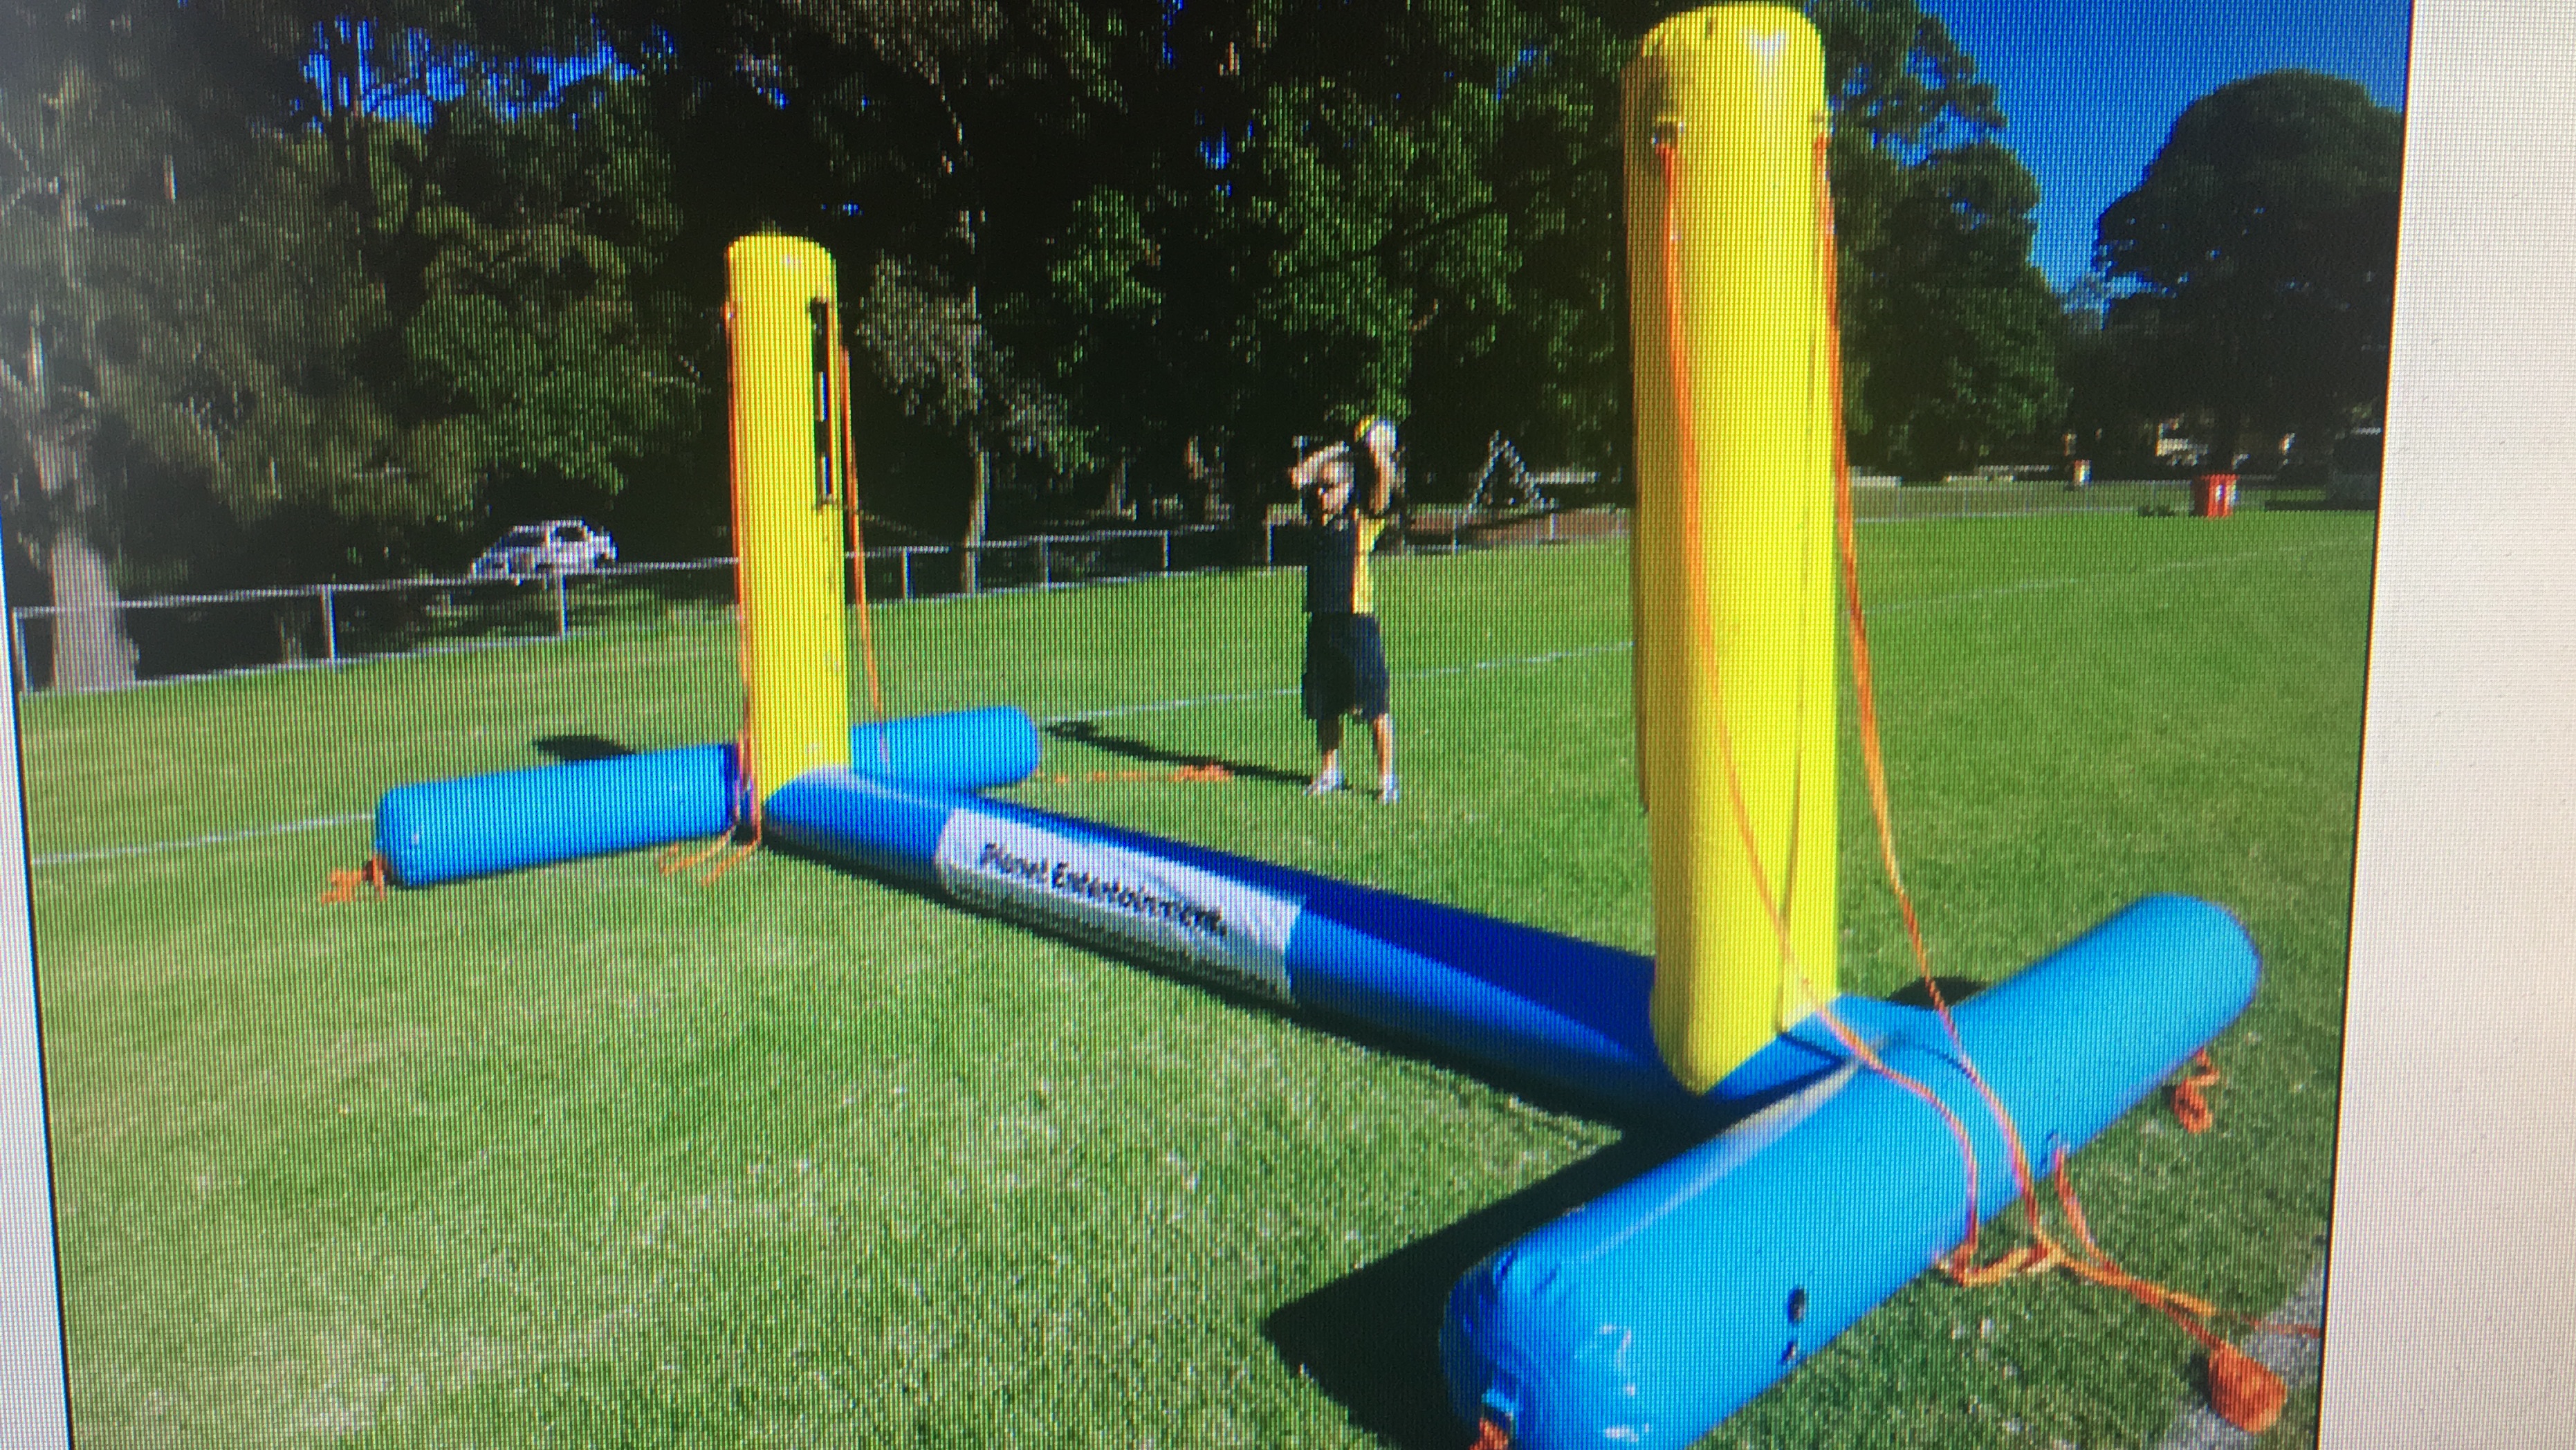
column 800, row 1154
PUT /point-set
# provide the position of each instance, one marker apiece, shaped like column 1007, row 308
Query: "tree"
column 108, row 113
column 1957, row 330
column 1324, row 211
column 932, row 135
column 2256, row 259
column 1947, row 328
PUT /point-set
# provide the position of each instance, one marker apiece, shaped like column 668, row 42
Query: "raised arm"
column 1309, row 470
column 1384, row 477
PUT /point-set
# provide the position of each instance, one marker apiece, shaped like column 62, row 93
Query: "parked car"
column 557, row 546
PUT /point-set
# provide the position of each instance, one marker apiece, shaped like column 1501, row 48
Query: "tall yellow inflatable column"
column 1725, row 120
column 790, row 472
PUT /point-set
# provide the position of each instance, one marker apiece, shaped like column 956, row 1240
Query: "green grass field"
column 593, row 1157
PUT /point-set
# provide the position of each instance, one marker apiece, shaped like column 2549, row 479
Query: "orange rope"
column 2242, row 1390
column 1677, row 355
column 858, row 550
column 747, row 791
column 344, row 884
column 2190, row 1106
column 1874, row 765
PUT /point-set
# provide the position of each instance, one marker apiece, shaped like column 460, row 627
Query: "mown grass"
column 590, row 1156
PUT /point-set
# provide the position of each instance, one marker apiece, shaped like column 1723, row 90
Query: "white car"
column 557, row 546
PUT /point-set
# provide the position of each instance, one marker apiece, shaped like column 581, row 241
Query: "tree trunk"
column 979, row 502
column 1202, row 482
column 91, row 650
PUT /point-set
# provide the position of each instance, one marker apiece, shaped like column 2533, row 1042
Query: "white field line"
column 1243, row 697
column 220, row 838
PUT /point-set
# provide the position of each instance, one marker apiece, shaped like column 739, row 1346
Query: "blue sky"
column 2092, row 89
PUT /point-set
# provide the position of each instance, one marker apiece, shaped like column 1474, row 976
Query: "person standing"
column 1348, row 491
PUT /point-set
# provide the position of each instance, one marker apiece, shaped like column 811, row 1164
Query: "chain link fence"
column 193, row 636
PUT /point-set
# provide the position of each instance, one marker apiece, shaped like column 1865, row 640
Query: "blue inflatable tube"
column 960, row 750
column 449, row 829
column 1527, row 1002
column 1649, row 1315
column 442, row 830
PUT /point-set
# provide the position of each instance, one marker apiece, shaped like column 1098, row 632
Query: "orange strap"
column 2190, row 1106
column 747, row 790
column 1206, row 772
column 2242, row 1390
column 1704, row 631
column 344, row 884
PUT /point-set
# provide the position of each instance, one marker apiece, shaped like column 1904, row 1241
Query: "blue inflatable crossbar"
column 448, row 829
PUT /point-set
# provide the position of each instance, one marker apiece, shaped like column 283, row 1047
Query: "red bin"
column 2213, row 496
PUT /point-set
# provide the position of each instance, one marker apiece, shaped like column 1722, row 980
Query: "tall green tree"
column 1325, row 211
column 1956, row 331
column 110, row 113
column 928, row 143
column 1949, row 331
column 2256, row 260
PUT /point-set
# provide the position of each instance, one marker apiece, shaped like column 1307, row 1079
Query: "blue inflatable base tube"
column 1649, row 1315
column 477, row 825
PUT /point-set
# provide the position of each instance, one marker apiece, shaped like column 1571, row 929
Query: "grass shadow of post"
column 1371, row 1339
column 576, row 748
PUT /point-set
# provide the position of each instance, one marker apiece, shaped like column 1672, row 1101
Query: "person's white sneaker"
column 1325, row 782
column 1387, row 792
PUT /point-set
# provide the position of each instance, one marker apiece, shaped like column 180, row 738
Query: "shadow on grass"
column 1371, row 1339
column 1084, row 732
column 1954, row 990
column 573, row 749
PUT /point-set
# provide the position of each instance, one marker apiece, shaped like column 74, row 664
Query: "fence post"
column 330, row 626
column 903, row 556
column 18, row 651
column 1045, row 573
column 1269, row 542
column 1551, row 526
column 1167, row 551
column 563, row 610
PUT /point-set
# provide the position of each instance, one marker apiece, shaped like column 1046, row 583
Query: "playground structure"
column 1506, row 483
column 1856, row 1142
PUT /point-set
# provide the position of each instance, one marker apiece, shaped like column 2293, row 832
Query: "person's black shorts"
column 1345, row 667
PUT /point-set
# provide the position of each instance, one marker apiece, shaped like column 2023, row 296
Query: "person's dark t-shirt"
column 1337, row 574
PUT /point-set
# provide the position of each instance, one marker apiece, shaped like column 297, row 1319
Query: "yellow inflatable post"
column 790, row 475
column 1734, row 566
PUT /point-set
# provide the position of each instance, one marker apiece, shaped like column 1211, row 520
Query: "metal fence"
column 249, row 631
column 192, row 636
